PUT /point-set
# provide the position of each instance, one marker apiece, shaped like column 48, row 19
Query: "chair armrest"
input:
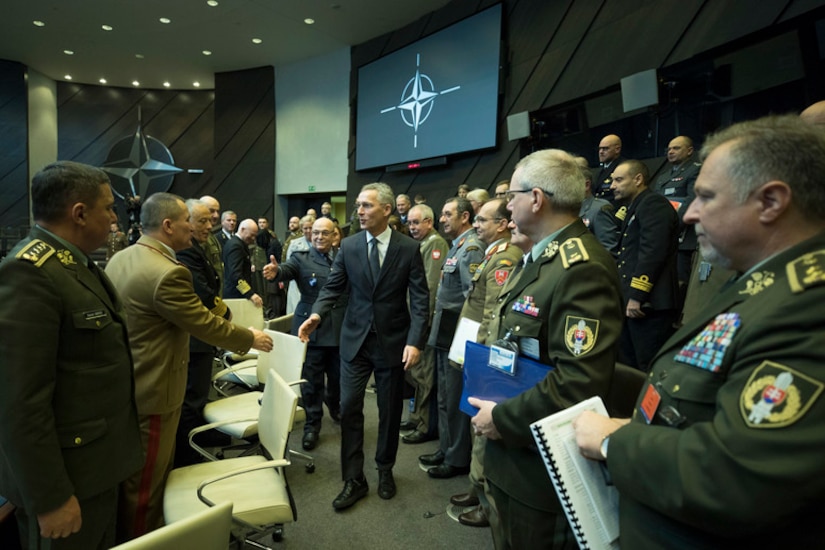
column 212, row 425
column 275, row 463
column 243, row 365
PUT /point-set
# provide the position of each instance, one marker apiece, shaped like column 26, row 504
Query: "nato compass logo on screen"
column 417, row 100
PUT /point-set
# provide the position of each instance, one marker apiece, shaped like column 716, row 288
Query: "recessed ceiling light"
column 106, row 27
column 256, row 40
column 102, row 81
column 68, row 52
column 135, row 83
column 196, row 84
column 165, row 20
column 212, row 3
column 166, row 84
column 68, row 77
column 309, row 21
column 139, row 55
column 206, row 52
column 38, row 23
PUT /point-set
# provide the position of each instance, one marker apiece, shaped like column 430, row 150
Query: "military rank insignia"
column 776, row 396
column 757, row 282
column 807, row 271
column 36, row 252
column 580, row 334
column 573, row 252
column 551, row 250
column 707, row 349
column 621, row 213
column 243, row 287
column 65, row 257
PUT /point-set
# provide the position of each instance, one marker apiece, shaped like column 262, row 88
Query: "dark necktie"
column 375, row 264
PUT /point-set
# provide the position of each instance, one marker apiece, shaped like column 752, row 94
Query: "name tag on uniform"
column 503, row 359
column 650, row 402
column 670, row 191
column 530, row 347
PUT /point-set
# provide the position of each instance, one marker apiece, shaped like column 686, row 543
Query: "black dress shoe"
column 354, row 490
column 474, row 518
column 408, row 425
column 465, row 500
column 309, row 441
column 445, row 471
column 335, row 416
column 416, row 437
column 386, row 484
column 433, row 459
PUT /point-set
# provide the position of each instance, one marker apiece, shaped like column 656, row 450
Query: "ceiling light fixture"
column 68, row 77
column 206, row 52
column 135, row 83
column 68, row 52
column 165, row 20
column 309, row 21
column 196, row 84
column 211, row 3
column 166, row 84
column 102, row 81
column 38, row 23
column 256, row 40
column 106, row 27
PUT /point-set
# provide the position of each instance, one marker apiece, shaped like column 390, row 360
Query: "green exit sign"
column 312, row 188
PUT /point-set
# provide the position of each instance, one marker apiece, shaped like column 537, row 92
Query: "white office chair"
column 256, row 485
column 208, row 529
column 287, row 359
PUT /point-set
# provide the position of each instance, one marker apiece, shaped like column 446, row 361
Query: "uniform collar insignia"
column 65, row 257
column 758, row 282
column 551, row 250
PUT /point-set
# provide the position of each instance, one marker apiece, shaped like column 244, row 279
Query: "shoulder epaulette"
column 621, row 213
column 36, row 252
column 573, row 252
column 806, row 271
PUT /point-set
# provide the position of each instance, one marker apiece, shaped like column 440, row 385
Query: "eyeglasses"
column 482, row 219
column 511, row 194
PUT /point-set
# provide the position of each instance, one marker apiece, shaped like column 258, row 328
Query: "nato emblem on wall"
column 139, row 165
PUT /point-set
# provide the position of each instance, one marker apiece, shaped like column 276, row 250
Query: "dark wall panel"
column 14, row 166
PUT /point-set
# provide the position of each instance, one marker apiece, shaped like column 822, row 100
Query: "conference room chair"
column 208, row 529
column 256, row 485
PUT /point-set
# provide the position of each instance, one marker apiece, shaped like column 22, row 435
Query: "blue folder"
column 486, row 382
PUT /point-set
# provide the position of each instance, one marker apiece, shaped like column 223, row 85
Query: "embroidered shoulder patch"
column 806, row 271
column 580, row 334
column 573, row 252
column 776, row 396
column 36, row 252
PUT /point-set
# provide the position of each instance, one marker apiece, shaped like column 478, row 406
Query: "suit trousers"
column 521, row 526
column 389, row 381
column 320, row 361
column 455, row 437
column 98, row 514
column 641, row 338
column 141, row 495
column 425, row 408
column 198, row 381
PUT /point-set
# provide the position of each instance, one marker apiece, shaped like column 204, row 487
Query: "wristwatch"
column 603, row 447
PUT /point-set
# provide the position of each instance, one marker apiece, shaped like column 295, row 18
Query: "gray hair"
column 556, row 172
column 384, row 191
column 782, row 148
column 426, row 212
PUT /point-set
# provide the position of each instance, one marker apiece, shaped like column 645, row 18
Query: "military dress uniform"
column 68, row 422
column 603, row 179
column 647, row 268
column 213, row 248
column 733, row 455
column 425, row 409
column 563, row 310
column 599, row 216
column 237, row 265
column 460, row 266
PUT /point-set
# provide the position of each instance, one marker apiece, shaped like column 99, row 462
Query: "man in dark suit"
column 380, row 335
column 310, row 270
column 647, row 265
column 237, row 264
column 563, row 310
column 68, row 423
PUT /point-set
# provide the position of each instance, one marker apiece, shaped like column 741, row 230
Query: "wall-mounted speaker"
column 640, row 90
column 518, row 126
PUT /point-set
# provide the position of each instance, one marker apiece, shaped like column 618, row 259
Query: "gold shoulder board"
column 806, row 271
column 36, row 252
column 573, row 252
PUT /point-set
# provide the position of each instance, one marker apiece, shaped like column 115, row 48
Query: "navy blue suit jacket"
column 383, row 304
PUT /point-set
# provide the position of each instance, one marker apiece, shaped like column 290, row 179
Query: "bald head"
column 679, row 150
column 815, row 114
column 248, row 230
column 610, row 148
column 214, row 208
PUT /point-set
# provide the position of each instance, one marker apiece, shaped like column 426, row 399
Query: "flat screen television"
column 435, row 97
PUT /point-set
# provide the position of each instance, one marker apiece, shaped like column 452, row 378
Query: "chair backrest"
column 282, row 323
column 277, row 414
column 206, row 530
column 624, row 389
column 286, row 358
column 245, row 314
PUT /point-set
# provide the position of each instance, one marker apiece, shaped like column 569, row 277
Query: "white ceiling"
column 173, row 52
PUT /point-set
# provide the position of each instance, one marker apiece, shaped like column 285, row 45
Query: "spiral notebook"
column 590, row 504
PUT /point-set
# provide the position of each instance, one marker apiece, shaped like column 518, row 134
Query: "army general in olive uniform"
column 725, row 448
column 563, row 310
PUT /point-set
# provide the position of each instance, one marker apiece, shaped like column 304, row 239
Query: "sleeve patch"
column 777, row 396
column 580, row 334
column 243, row 287
column 641, row 283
